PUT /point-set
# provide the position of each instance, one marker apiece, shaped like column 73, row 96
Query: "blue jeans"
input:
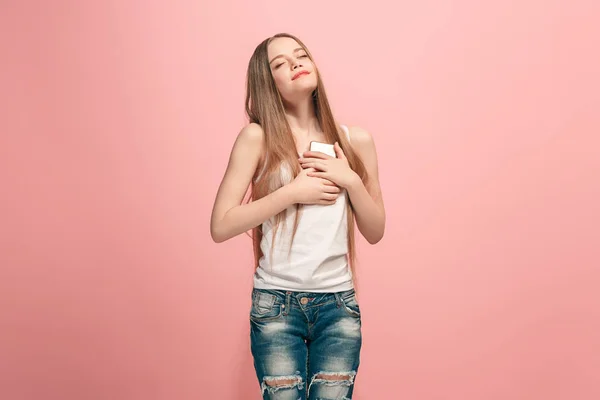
column 306, row 346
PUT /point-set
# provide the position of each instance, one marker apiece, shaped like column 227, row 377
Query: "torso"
column 317, row 261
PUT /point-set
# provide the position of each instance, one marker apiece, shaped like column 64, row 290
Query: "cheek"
column 283, row 85
column 313, row 76
column 280, row 80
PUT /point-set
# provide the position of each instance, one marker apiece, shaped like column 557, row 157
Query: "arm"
column 229, row 217
column 367, row 200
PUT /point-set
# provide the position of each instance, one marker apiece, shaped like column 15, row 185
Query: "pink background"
column 117, row 120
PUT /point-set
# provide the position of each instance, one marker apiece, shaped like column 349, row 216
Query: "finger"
column 328, row 183
column 318, row 174
column 338, row 151
column 327, row 202
column 329, row 196
column 331, row 189
column 317, row 165
column 310, row 159
column 316, row 154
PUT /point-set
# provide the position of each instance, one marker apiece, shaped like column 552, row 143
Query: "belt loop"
column 288, row 295
column 338, row 300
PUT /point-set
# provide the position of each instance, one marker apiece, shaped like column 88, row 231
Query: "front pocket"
column 351, row 306
column 263, row 302
column 264, row 307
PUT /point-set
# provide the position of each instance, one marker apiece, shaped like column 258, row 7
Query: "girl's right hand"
column 312, row 190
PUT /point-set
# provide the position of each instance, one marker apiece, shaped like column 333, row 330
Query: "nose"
column 296, row 64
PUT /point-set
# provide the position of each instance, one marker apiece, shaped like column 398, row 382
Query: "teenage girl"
column 305, row 321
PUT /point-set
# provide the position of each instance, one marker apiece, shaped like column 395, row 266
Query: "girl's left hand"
column 337, row 170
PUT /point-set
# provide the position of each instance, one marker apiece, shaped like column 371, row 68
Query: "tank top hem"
column 334, row 289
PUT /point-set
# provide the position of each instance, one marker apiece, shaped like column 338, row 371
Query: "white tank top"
column 317, row 261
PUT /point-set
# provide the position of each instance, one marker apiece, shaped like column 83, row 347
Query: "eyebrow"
column 281, row 55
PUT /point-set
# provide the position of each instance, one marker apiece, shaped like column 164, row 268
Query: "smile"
column 299, row 74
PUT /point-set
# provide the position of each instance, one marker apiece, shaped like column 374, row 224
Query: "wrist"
column 354, row 182
column 288, row 193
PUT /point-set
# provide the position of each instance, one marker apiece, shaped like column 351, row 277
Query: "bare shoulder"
column 251, row 134
column 363, row 143
column 247, row 149
column 360, row 138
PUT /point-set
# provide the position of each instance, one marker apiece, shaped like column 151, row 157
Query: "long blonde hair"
column 264, row 106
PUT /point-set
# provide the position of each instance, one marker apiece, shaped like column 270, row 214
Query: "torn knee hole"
column 280, row 382
column 275, row 383
column 333, row 377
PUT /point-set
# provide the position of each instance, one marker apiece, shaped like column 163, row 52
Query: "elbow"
column 218, row 230
column 217, row 239
column 374, row 239
column 216, row 235
column 372, row 234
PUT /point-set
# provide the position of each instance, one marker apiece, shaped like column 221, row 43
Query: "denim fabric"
column 306, row 346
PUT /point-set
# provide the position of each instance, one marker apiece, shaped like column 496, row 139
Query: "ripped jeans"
column 306, row 346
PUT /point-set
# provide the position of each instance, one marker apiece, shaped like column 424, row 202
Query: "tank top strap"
column 345, row 129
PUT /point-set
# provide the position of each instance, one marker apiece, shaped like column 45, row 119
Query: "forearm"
column 369, row 214
column 241, row 218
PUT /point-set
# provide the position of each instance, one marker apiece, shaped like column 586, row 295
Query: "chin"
column 299, row 92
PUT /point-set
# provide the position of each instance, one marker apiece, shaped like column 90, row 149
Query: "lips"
column 299, row 74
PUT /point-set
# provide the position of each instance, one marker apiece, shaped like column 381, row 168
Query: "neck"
column 301, row 116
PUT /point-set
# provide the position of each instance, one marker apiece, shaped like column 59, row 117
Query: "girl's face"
column 293, row 71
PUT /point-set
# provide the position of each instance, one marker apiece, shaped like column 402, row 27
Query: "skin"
column 322, row 176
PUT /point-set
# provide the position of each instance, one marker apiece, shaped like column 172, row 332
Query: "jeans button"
column 304, row 300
